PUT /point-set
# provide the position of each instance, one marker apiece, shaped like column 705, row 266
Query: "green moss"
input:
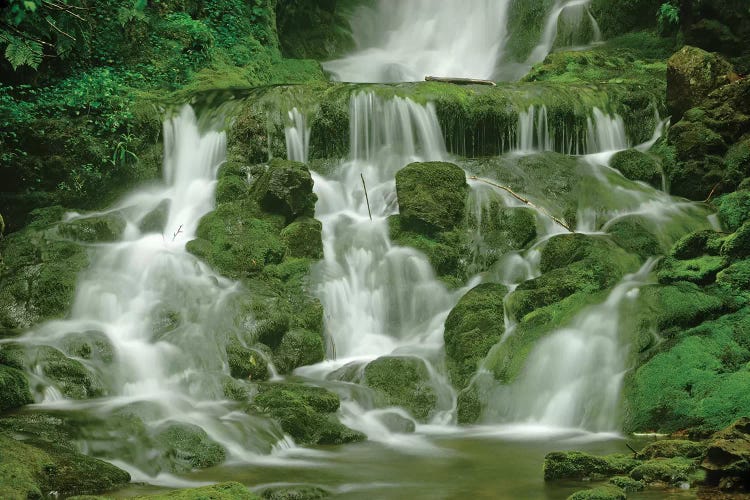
column 737, row 246
column 14, row 389
column 734, row 209
column 701, row 270
column 403, row 381
column 431, row 196
column 188, row 447
column 230, row 188
column 95, row 229
column 672, row 448
column 285, row 189
column 303, row 238
column 221, row 491
column 632, row 233
column 247, row 363
column 156, row 220
column 28, row 471
column 474, row 325
column 606, row 492
column 697, row 244
column 294, row 493
column 577, row 465
column 666, row 470
column 298, row 348
column 736, row 276
column 627, row 484
column 442, row 250
column 692, row 74
column 70, row 376
column 468, row 406
column 89, row 345
column 678, row 306
column 638, row 166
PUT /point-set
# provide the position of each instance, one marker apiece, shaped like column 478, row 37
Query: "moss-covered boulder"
column 28, row 471
column 627, row 484
column 298, row 347
column 692, row 73
column 155, row 220
column 672, row 448
column 634, row 234
column 734, row 210
column 403, row 381
column 74, row 379
column 727, row 460
column 606, row 492
column 95, row 229
column 578, row 465
column 736, row 276
column 305, row 413
column 92, row 344
column 671, row 471
column 14, row 388
column 303, row 238
column 701, row 270
column 285, row 188
column 294, row 493
column 638, row 166
column 443, row 250
column 696, row 244
column 249, row 363
column 431, row 196
column 221, row 491
column 474, row 325
column 737, row 246
column 694, row 140
column 188, row 447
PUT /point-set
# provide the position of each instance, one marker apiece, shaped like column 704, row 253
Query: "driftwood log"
column 459, row 81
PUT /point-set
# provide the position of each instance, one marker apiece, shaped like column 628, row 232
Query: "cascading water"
column 160, row 309
column 405, row 41
column 574, row 13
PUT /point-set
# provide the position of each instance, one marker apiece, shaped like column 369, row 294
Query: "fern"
column 23, row 52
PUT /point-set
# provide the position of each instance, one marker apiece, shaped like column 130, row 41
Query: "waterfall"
column 163, row 311
column 406, row 41
column 572, row 377
column 577, row 9
column 297, row 134
column 533, row 132
column 379, row 298
column 605, row 132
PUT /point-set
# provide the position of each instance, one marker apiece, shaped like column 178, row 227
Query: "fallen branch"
column 711, row 194
column 526, row 201
column 367, row 198
column 631, row 449
column 460, row 81
column 179, row 231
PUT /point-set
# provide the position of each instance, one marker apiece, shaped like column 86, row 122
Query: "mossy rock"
column 679, row 305
column 727, row 460
column 431, row 196
column 578, row 465
column 632, row 232
column 294, row 493
column 501, row 228
column 701, row 270
column 638, row 166
column 230, row 188
column 737, row 246
column 188, row 447
column 14, row 389
column 672, row 471
column 692, row 74
column 403, row 381
column 473, row 326
column 468, row 406
column 694, row 140
column 672, row 448
column 627, row 484
column 156, row 220
column 70, row 376
column 699, row 243
column 32, row 471
column 734, row 210
column 736, row 276
column 221, row 491
column 443, row 250
column 248, row 363
column 305, row 413
column 298, row 347
column 286, row 188
column 303, row 238
column 95, row 229
column 606, row 492
column 93, row 345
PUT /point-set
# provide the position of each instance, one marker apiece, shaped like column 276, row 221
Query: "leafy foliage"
column 668, row 17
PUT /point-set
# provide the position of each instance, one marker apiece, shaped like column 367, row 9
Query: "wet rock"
column 33, row 471
column 396, row 422
column 286, row 189
column 736, row 276
column 431, row 196
column 188, row 447
column 95, row 229
column 671, row 471
column 727, row 461
column 248, row 362
column 694, row 140
column 92, row 345
column 627, row 484
column 633, row 233
column 672, row 448
column 701, row 270
column 692, row 74
column 606, row 492
column 737, row 246
column 403, row 381
column 696, row 244
column 14, row 388
column 294, row 493
column 305, row 413
column 734, row 210
column 303, row 238
column 298, row 347
column 474, row 325
column 468, row 406
column 578, row 465
column 443, row 250
column 221, row 491
column 70, row 376
column 638, row 166
column 156, row 220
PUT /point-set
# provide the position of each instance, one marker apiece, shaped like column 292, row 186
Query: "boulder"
column 606, row 492
column 298, row 347
column 248, row 363
column 156, row 220
column 671, row 471
column 294, row 493
column 692, row 73
column 672, row 448
column 403, row 381
column 303, row 238
column 285, row 188
column 14, row 388
column 727, row 460
column 95, row 229
column 221, row 491
column 734, row 209
column 431, row 196
column 578, row 465
column 737, row 246
column 188, row 447
column 638, row 166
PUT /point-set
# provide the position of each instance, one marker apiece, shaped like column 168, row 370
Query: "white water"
column 406, row 41
column 575, row 13
column 297, row 134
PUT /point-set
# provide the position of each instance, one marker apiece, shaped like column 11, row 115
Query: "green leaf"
column 23, row 52
column 30, row 5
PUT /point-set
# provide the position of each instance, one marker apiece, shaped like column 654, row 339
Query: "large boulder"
column 727, row 459
column 188, row 447
column 474, row 325
column 638, row 166
column 298, row 347
column 285, row 188
column 692, row 74
column 14, row 388
column 95, row 229
column 431, row 196
column 578, row 465
column 403, row 381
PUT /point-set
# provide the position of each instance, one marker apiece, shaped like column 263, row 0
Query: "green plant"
column 668, row 17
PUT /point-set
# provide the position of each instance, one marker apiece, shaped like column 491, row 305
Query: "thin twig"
column 524, row 200
column 711, row 194
column 59, row 30
column 367, row 198
column 179, row 231
column 631, row 449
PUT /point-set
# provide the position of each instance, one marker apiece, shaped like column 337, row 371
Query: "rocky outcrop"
column 727, row 459
column 403, row 381
column 692, row 74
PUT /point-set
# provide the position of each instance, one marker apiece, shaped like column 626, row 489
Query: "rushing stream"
column 380, row 299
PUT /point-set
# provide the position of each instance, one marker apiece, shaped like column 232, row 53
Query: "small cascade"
column 572, row 378
column 380, row 299
column 605, row 132
column 405, row 41
column 533, row 132
column 297, row 134
column 570, row 15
